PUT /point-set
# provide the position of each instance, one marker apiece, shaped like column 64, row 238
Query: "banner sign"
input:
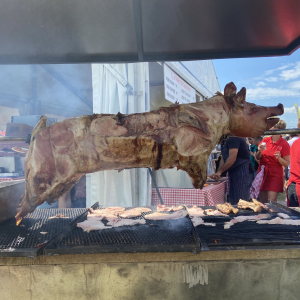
column 177, row 89
column 297, row 111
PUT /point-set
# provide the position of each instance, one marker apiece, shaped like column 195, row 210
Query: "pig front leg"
column 196, row 167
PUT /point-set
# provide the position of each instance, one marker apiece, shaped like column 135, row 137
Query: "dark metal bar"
column 155, row 185
column 138, row 28
column 284, row 208
column 282, row 131
column 66, row 230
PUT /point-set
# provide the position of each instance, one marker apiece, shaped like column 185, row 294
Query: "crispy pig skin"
column 181, row 136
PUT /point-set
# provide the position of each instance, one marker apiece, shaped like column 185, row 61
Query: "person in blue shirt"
column 235, row 160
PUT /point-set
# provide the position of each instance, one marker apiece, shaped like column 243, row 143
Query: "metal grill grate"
column 18, row 239
column 249, row 233
column 166, row 235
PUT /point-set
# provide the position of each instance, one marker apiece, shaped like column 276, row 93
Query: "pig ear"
column 230, row 90
column 240, row 98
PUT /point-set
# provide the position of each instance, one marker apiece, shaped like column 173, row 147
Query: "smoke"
column 63, row 91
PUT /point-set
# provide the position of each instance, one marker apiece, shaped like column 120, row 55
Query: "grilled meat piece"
column 197, row 221
column 195, row 211
column 108, row 210
column 161, row 208
column 283, row 216
column 131, row 213
column 161, row 216
column 240, row 219
column 181, row 136
column 227, row 208
column 104, row 216
column 143, row 209
column 214, row 212
column 280, row 221
column 59, row 216
column 256, row 206
column 90, row 225
column 126, row 222
column 209, row 224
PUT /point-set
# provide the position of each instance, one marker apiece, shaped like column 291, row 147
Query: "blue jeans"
column 293, row 195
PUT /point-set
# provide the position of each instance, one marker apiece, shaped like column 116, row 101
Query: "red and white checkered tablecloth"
column 2, row 179
column 209, row 196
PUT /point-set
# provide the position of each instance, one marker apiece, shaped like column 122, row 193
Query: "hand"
column 277, row 154
column 261, row 148
column 216, row 176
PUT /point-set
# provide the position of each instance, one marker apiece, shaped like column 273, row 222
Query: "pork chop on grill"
column 161, row 216
column 197, row 221
column 143, row 209
column 126, row 222
column 227, row 208
column 240, row 219
column 131, row 213
column 280, row 221
column 214, row 212
column 90, row 225
column 161, row 208
column 255, row 205
column 99, row 217
column 195, row 211
column 107, row 210
column 283, row 216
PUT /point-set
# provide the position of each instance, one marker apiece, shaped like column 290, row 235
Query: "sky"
column 268, row 81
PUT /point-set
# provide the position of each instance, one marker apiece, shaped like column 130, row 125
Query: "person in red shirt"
column 293, row 190
column 275, row 156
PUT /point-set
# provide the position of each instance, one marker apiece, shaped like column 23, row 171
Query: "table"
column 6, row 148
column 209, row 196
column 3, row 179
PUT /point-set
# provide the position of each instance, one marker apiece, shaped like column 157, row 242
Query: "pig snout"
column 276, row 110
column 273, row 112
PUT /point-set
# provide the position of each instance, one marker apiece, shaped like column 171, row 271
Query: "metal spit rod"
column 282, row 131
column 268, row 132
column 13, row 139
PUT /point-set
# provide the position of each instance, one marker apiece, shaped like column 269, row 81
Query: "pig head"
column 248, row 119
column 181, row 136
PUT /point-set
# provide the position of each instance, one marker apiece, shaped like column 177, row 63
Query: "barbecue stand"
column 155, row 236
column 179, row 235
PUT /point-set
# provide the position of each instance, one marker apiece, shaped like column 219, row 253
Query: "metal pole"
column 13, row 139
column 282, row 131
column 155, row 185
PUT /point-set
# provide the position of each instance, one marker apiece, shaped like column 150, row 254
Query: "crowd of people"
column 274, row 161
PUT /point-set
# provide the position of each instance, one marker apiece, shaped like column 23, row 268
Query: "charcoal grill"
column 249, row 234
column 27, row 239
column 155, row 236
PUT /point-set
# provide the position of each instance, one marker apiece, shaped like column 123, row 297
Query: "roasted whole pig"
column 181, row 136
